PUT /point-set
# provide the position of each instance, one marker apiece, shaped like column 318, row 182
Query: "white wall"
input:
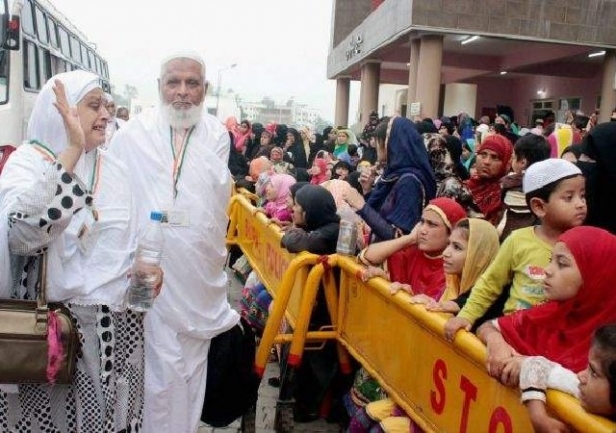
column 460, row 98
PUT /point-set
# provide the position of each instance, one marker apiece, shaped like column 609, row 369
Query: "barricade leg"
column 249, row 421
column 305, row 311
column 283, row 419
column 292, row 358
column 273, row 322
column 331, row 297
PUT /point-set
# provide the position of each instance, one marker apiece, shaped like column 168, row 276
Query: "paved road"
column 266, row 405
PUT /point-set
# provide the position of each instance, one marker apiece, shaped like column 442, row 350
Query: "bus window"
column 64, row 44
column 27, row 20
column 84, row 56
column 58, row 65
column 105, row 70
column 45, row 63
column 75, row 50
column 41, row 26
column 91, row 63
column 53, row 35
column 31, row 76
column 98, row 66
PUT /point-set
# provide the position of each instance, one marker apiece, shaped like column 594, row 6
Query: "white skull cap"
column 183, row 54
column 544, row 172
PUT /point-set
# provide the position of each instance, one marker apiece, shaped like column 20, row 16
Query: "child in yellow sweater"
column 555, row 193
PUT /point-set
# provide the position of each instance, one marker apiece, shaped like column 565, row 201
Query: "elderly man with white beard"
column 176, row 158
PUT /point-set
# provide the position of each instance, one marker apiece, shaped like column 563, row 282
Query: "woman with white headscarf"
column 60, row 194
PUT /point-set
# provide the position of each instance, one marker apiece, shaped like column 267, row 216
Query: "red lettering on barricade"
column 470, row 394
column 269, row 258
column 439, row 374
column 500, row 417
column 274, row 261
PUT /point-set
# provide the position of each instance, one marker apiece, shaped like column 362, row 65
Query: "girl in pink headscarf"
column 243, row 136
column 233, row 127
column 240, row 132
column 276, row 192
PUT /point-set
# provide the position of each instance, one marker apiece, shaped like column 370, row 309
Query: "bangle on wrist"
column 532, row 388
column 363, row 259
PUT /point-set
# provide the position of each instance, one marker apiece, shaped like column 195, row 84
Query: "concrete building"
column 475, row 55
column 291, row 113
column 223, row 106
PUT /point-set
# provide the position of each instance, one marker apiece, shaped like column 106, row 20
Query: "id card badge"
column 176, row 218
column 88, row 235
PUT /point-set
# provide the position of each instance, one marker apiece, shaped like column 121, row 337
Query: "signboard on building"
column 415, row 109
column 354, row 47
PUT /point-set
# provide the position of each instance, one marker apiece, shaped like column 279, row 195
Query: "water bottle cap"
column 156, row 215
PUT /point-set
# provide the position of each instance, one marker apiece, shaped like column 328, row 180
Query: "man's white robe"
column 192, row 307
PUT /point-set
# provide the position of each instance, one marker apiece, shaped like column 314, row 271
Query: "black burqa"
column 600, row 145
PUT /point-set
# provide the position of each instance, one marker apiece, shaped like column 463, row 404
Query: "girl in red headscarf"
column 561, row 329
column 579, row 289
column 493, row 158
column 318, row 171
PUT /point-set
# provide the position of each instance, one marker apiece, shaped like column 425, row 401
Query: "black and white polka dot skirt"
column 107, row 393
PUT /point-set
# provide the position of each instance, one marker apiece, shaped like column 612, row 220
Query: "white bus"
column 37, row 42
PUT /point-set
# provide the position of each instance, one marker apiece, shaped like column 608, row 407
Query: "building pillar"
column 608, row 96
column 411, row 95
column 369, row 93
column 429, row 74
column 343, row 91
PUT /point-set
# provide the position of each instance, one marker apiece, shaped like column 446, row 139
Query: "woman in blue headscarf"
column 407, row 184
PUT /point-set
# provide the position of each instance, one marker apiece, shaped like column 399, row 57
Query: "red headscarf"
column 411, row 266
column 448, row 209
column 271, row 128
column 318, row 179
column 487, row 192
column 562, row 331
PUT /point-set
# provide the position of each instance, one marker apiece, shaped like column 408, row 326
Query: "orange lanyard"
column 178, row 159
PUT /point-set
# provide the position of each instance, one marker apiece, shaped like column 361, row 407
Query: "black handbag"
column 24, row 332
column 232, row 384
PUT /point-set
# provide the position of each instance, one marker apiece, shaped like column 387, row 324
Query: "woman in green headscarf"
column 344, row 138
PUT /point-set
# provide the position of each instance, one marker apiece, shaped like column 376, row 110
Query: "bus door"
column 9, row 48
column 4, row 24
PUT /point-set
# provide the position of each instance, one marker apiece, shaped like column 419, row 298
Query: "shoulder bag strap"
column 41, row 294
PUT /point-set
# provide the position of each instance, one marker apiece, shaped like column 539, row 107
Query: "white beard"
column 181, row 118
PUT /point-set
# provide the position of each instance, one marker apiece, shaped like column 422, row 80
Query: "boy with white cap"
column 555, row 193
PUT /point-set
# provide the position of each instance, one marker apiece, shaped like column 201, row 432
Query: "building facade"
column 475, row 55
column 290, row 113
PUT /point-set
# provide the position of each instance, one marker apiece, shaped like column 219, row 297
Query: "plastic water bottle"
column 145, row 268
column 347, row 236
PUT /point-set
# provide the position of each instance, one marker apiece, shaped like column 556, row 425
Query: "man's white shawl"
column 193, row 299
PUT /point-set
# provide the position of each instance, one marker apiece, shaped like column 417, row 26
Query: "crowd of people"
column 505, row 228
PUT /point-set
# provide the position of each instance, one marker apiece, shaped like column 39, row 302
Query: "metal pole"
column 218, row 92
column 220, row 85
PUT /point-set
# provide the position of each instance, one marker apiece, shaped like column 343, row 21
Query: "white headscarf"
column 45, row 123
column 98, row 274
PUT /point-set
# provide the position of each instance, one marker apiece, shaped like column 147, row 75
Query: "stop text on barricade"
column 259, row 240
column 444, row 386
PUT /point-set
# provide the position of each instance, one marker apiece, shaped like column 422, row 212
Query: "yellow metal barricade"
column 259, row 240
column 443, row 386
column 292, row 280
